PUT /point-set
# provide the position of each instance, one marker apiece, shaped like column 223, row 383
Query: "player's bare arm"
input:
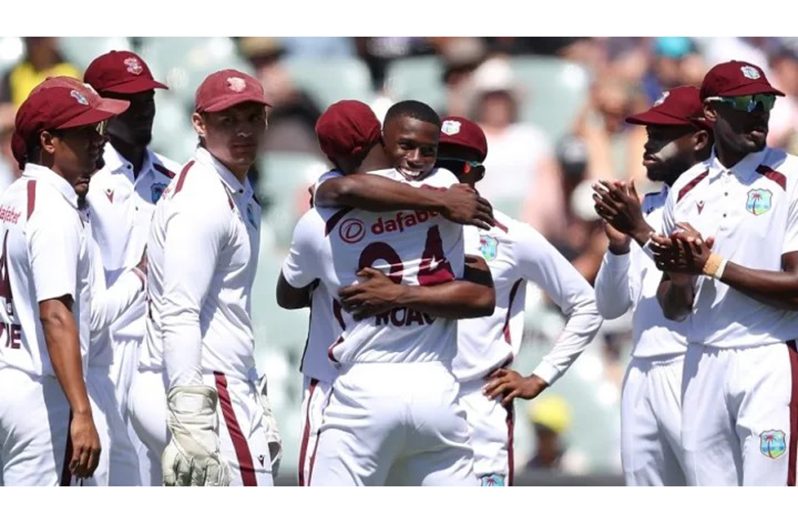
column 290, row 298
column 509, row 384
column 61, row 336
column 471, row 297
column 459, row 203
column 619, row 205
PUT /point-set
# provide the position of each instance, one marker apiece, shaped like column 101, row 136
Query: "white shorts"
column 34, row 430
column 315, row 397
column 118, row 460
column 242, row 432
column 393, row 423
column 739, row 415
column 651, row 422
column 492, row 427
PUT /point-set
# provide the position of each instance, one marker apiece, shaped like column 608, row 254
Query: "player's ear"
column 46, row 142
column 710, row 113
column 700, row 140
column 198, row 122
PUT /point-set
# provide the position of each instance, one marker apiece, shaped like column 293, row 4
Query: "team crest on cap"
column 156, row 191
column 759, row 201
column 80, row 97
column 773, row 443
column 236, row 84
column 661, row 99
column 489, row 246
column 450, row 127
column 133, row 65
column 750, row 72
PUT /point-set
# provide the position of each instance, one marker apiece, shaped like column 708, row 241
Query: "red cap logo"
column 236, row 84
column 133, row 66
column 450, row 127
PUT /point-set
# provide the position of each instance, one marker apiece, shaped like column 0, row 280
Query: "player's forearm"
column 111, row 303
column 182, row 348
column 641, row 232
column 612, row 286
column 676, row 300
column 453, row 300
column 63, row 346
column 774, row 288
column 289, row 297
column 376, row 193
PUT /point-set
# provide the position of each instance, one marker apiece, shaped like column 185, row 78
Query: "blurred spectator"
column 719, row 49
column 550, row 416
column 461, row 57
column 520, row 154
column 9, row 170
column 784, row 116
column 613, row 146
column 42, row 59
column 293, row 116
column 377, row 52
column 675, row 61
column 318, row 46
column 549, row 46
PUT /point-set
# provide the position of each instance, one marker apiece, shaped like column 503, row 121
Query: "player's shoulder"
column 440, row 177
column 512, row 230
column 690, row 180
column 313, row 224
column 197, row 184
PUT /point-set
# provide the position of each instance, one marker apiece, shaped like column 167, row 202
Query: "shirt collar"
column 116, row 163
column 48, row 176
column 236, row 188
column 744, row 169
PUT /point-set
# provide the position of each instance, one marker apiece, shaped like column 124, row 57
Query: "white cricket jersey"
column 752, row 212
column 516, row 253
column 44, row 256
column 121, row 212
column 108, row 303
column 202, row 255
column 412, row 247
column 631, row 281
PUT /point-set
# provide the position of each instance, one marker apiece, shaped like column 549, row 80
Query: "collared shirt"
column 516, row 254
column 121, row 207
column 44, row 256
column 412, row 247
column 202, row 255
column 630, row 281
column 751, row 209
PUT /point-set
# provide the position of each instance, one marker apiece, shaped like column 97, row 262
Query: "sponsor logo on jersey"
column 759, row 201
column 750, row 72
column 492, row 480
column 157, row 190
column 489, row 246
column 403, row 317
column 773, row 443
column 109, row 193
column 133, row 66
column 700, row 206
column 9, row 214
column 352, row 230
column 236, row 84
column 261, row 459
column 401, row 221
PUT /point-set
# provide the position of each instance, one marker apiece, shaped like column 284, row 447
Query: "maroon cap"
column 736, row 78
column 678, row 106
column 461, row 131
column 347, row 128
column 226, row 88
column 59, row 103
column 120, row 72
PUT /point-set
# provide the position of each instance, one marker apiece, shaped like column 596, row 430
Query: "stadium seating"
column 81, row 51
column 327, row 80
column 416, row 78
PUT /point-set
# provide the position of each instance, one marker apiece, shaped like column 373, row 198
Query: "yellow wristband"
column 714, row 266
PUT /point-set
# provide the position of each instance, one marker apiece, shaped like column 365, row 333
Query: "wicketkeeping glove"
column 192, row 456
column 275, row 441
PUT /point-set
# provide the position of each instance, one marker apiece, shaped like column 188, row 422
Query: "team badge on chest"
column 759, row 201
column 773, row 443
column 489, row 246
column 157, row 191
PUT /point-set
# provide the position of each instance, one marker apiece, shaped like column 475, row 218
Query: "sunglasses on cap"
column 99, row 128
column 458, row 165
column 747, row 103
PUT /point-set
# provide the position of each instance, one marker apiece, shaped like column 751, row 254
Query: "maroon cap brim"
column 107, row 108
column 230, row 101
column 656, row 118
column 752, row 89
column 138, row 85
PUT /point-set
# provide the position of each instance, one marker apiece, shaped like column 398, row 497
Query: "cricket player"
column 347, row 132
column 392, row 408
column 202, row 255
column 47, row 430
column 122, row 198
column 651, row 450
column 730, row 250
column 515, row 253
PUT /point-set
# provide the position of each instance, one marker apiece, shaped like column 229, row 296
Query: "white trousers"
column 491, row 426
column 315, row 397
column 651, row 422
column 739, row 415
column 243, row 437
column 393, row 423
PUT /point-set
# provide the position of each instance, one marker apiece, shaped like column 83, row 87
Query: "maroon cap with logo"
column 347, row 128
column 226, row 88
column 59, row 103
column 456, row 130
column 678, row 106
column 120, row 72
column 736, row 78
